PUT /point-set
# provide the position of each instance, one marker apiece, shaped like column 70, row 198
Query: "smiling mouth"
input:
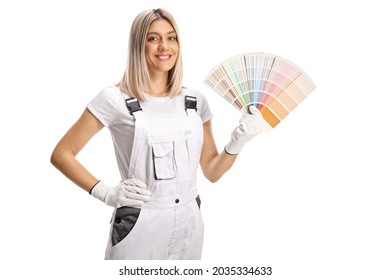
column 163, row 57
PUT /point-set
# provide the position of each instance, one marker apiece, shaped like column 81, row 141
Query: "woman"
column 161, row 132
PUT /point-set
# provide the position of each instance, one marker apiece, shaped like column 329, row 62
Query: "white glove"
column 131, row 193
column 250, row 126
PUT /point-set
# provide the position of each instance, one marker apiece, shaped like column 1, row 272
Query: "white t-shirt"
column 110, row 108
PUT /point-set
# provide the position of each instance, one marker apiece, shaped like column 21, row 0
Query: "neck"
column 158, row 85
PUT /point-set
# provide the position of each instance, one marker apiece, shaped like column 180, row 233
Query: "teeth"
column 163, row 57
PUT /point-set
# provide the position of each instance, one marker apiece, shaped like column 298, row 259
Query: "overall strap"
column 133, row 105
column 136, row 111
column 190, row 105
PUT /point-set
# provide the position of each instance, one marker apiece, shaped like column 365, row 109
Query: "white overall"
column 165, row 155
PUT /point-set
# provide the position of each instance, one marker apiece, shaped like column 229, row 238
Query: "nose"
column 163, row 45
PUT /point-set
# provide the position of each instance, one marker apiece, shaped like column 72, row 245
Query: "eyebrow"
column 156, row 33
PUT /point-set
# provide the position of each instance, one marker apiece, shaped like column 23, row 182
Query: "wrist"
column 90, row 191
column 226, row 152
column 233, row 147
column 99, row 191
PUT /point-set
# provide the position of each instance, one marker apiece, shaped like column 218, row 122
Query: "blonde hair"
column 136, row 77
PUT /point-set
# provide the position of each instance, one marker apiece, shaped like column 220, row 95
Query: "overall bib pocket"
column 124, row 220
column 163, row 160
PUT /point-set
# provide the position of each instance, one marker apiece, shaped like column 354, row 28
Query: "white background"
column 310, row 199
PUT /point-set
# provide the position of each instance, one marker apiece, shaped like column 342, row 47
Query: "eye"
column 152, row 39
column 172, row 38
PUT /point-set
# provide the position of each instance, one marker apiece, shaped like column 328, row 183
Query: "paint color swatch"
column 273, row 84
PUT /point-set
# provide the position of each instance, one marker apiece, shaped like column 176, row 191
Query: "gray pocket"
column 124, row 221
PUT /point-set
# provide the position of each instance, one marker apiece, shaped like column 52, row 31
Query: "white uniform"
column 164, row 153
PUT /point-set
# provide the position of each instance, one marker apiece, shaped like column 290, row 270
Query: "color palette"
column 273, row 84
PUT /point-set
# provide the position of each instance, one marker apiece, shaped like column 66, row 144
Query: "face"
column 161, row 47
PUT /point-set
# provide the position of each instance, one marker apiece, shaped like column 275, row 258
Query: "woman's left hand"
column 250, row 126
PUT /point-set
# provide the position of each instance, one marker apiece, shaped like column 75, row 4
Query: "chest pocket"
column 167, row 155
column 164, row 160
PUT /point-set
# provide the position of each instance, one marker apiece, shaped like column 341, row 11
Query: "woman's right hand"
column 130, row 193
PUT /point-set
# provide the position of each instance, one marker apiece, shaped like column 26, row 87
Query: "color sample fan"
column 271, row 83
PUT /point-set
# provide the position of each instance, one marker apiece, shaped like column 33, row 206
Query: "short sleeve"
column 104, row 105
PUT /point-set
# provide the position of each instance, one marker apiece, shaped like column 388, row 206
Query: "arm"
column 64, row 154
column 213, row 164
column 130, row 192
